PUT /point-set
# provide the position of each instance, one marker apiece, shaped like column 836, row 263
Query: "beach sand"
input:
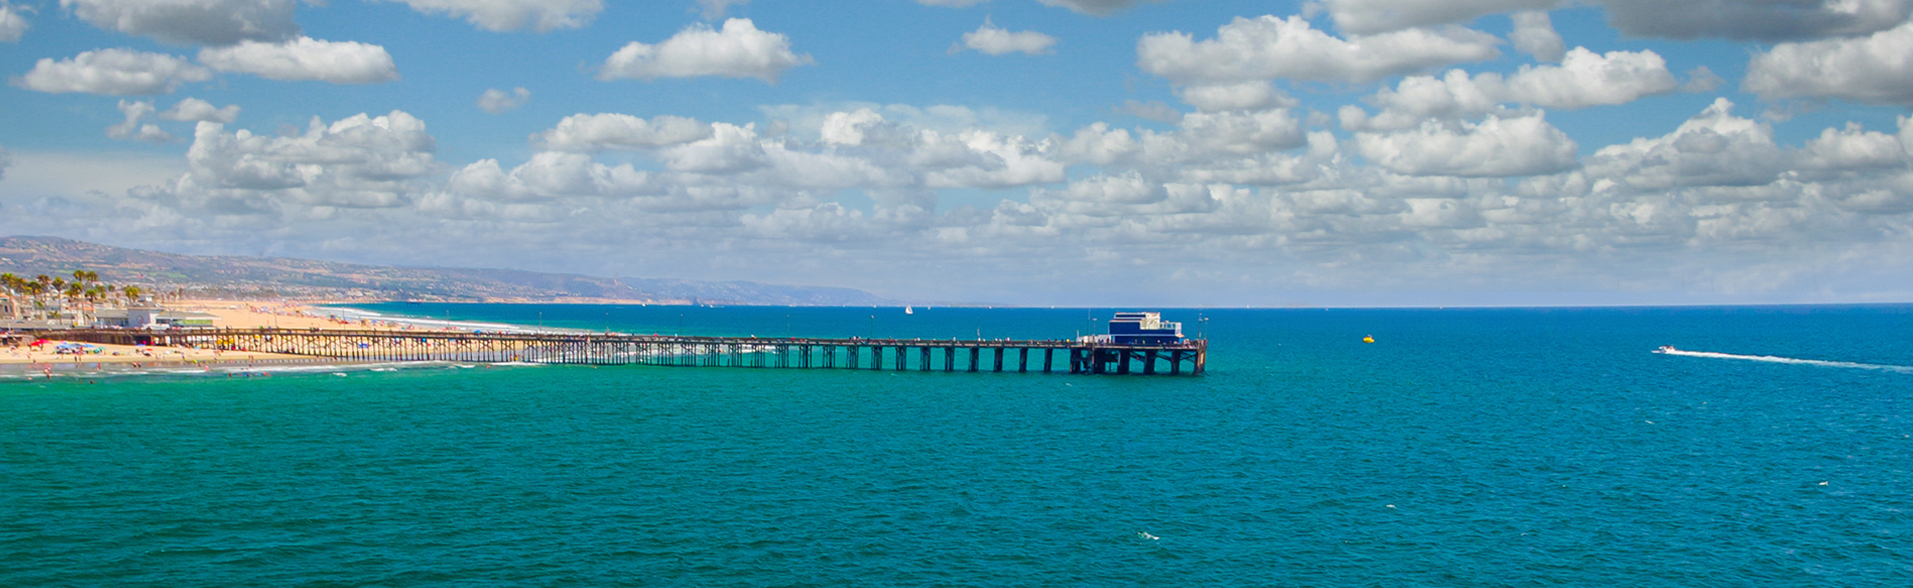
column 129, row 354
column 303, row 314
column 233, row 314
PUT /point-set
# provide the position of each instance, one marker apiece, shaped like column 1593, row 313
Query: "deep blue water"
column 1463, row 448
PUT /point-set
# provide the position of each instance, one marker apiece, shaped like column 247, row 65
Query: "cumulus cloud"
column 1876, row 69
column 194, row 109
column 132, row 130
column 1715, row 148
column 496, row 101
column 996, row 41
column 189, row 109
column 1267, row 48
column 1376, row 16
column 593, row 132
column 1534, row 35
column 13, row 22
column 195, row 22
column 511, row 15
column 1496, row 147
column 1583, row 79
column 949, row 119
column 1243, row 96
column 116, row 72
column 738, row 50
column 1233, row 198
column 1756, row 19
column 306, row 58
column 356, row 162
column 1586, row 78
column 1768, row 20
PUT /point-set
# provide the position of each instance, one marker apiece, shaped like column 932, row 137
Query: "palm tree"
column 12, row 285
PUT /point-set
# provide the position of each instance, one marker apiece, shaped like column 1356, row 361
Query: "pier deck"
column 947, row 355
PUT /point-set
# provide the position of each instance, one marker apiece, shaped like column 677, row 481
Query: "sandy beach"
column 233, row 314
column 127, row 354
column 302, row 314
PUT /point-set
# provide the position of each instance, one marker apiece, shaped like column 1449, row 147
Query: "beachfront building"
column 154, row 318
column 8, row 308
column 148, row 314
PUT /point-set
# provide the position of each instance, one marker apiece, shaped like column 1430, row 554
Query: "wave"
column 1790, row 360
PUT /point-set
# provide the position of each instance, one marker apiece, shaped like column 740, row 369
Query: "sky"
column 1037, row 152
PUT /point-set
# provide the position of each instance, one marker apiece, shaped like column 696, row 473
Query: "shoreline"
column 290, row 365
column 232, row 314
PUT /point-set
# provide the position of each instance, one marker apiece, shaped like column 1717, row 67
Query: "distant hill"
column 243, row 276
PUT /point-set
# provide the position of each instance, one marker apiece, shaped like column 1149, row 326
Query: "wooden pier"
column 926, row 355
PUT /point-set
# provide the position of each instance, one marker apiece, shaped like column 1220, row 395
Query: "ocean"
column 1482, row 447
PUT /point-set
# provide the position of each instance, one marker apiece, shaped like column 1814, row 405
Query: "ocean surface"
column 1462, row 448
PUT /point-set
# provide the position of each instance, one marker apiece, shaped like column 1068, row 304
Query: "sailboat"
column 909, row 310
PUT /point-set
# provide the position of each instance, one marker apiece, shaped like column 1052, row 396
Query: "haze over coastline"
column 256, row 277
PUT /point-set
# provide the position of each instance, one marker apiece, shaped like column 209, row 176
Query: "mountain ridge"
column 264, row 277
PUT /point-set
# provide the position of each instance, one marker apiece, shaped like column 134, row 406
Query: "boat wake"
column 1670, row 350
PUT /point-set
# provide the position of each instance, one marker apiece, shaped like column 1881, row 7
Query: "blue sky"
column 1182, row 152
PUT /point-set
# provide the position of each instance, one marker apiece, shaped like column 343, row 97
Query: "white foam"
column 1790, row 360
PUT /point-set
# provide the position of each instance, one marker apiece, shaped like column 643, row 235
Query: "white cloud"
column 194, row 109
column 1267, row 48
column 1497, row 147
column 1376, row 16
column 496, row 101
column 996, row 41
column 132, row 130
column 1534, row 35
column 1242, row 133
column 592, row 132
column 511, row 15
column 199, row 22
column 1875, row 69
column 949, row 119
column 1715, row 148
column 13, row 21
column 1736, row 19
column 306, row 58
column 1584, row 79
column 739, row 50
column 356, row 162
column 1240, row 199
column 1756, row 19
column 1243, row 96
column 117, row 72
column 1853, row 149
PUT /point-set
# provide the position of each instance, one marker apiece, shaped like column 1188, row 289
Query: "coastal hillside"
column 249, row 277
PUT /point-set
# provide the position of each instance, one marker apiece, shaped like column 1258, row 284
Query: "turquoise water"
column 1463, row 448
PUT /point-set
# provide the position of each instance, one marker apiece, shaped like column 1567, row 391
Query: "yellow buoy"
column 1368, row 338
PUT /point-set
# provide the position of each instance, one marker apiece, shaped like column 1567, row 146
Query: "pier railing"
column 948, row 355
